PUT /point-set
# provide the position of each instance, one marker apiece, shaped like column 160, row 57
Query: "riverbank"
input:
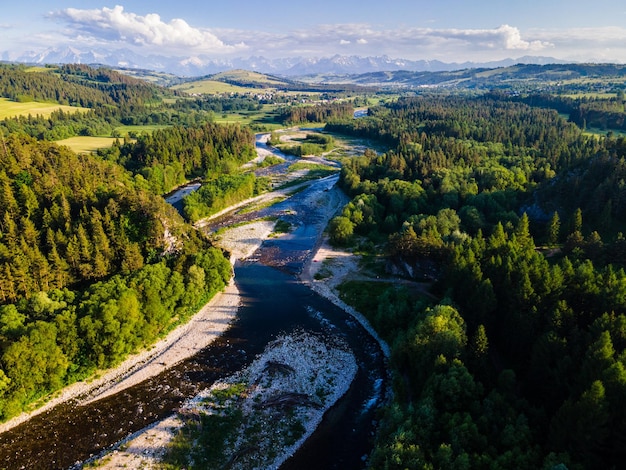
column 279, row 400
column 179, row 344
column 146, row 448
column 327, row 269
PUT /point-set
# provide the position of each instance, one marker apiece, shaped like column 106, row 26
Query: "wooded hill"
column 76, row 85
column 259, row 81
column 521, row 77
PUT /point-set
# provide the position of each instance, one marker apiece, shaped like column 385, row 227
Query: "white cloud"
column 587, row 44
column 117, row 25
column 505, row 37
column 410, row 43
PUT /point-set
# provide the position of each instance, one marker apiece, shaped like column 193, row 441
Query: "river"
column 274, row 302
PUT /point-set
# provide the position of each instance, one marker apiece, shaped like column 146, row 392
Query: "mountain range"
column 291, row 66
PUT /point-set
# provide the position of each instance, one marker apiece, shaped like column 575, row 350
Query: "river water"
column 274, row 302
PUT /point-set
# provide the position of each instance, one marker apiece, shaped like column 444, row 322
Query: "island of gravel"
column 275, row 404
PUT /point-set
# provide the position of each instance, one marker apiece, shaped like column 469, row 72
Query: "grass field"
column 210, row 87
column 248, row 76
column 259, row 119
column 218, row 83
column 86, row 144
column 10, row 108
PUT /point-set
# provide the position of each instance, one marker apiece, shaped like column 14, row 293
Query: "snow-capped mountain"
column 203, row 65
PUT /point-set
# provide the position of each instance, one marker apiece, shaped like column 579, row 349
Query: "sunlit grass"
column 210, row 87
column 603, row 132
column 87, row 144
column 9, row 108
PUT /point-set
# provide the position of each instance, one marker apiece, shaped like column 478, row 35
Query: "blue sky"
column 447, row 30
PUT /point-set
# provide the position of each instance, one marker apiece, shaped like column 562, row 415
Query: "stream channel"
column 274, row 302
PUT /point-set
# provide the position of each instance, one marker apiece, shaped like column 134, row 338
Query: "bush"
column 340, row 230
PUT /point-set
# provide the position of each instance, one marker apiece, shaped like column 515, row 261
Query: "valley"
column 173, row 294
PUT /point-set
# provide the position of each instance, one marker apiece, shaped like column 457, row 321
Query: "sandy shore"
column 323, row 373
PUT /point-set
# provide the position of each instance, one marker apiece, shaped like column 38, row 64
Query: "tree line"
column 168, row 157
column 316, row 113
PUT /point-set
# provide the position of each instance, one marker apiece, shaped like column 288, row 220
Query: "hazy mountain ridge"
column 517, row 76
column 203, row 65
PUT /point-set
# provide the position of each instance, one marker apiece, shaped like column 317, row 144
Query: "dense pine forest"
column 515, row 217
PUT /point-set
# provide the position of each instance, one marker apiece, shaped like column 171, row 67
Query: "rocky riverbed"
column 307, row 213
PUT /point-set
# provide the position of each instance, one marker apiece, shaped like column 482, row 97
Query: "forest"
column 168, row 157
column 94, row 264
column 515, row 218
column 511, row 214
column 88, row 274
column 318, row 113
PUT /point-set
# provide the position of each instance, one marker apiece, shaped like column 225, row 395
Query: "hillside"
column 245, row 81
column 517, row 77
column 94, row 264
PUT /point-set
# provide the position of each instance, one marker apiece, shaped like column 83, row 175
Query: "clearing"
column 10, row 108
column 87, row 144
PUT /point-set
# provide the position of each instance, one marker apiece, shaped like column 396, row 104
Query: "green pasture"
column 9, row 108
column 603, row 132
column 248, row 77
column 210, row 87
column 257, row 119
column 37, row 69
column 218, row 83
column 86, row 144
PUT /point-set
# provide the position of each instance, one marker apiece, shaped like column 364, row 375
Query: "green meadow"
column 9, row 108
column 210, row 87
column 86, row 144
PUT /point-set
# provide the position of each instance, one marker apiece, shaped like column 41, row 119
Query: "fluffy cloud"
column 410, row 43
column 116, row 27
column 505, row 37
column 115, row 24
column 605, row 44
